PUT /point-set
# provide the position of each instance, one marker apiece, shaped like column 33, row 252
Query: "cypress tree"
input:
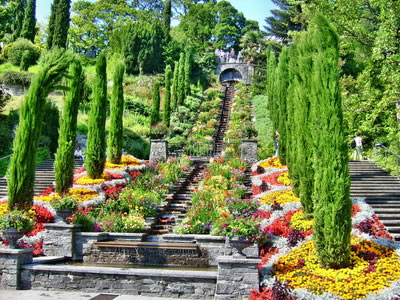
column 61, row 24
column 301, row 101
column 115, row 136
column 282, row 84
column 155, row 112
column 96, row 143
column 53, row 65
column 188, row 69
column 166, row 19
column 271, row 70
column 167, row 99
column 181, row 79
column 332, row 204
column 19, row 13
column 28, row 28
column 174, row 96
column 52, row 22
column 64, row 163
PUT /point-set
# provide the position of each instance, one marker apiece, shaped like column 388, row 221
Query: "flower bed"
column 290, row 266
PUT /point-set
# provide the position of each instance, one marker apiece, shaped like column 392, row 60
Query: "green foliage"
column 25, row 61
column 167, row 98
column 271, row 75
column 137, row 106
column 53, row 66
column 16, row 78
column 137, row 146
column 174, row 94
column 166, row 18
column 61, row 23
column 117, row 109
column 181, row 80
column 18, row 219
column 96, row 144
column 188, row 69
column 86, row 221
column 64, row 203
column 49, row 133
column 64, row 163
column 28, row 27
column 155, row 112
column 18, row 14
column 332, row 204
column 263, row 123
column 52, row 23
column 16, row 50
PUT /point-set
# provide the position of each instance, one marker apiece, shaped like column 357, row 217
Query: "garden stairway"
column 44, row 177
column 223, row 119
column 178, row 201
column 380, row 190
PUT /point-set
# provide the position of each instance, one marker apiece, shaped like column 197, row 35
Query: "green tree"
column 52, row 23
column 332, row 204
column 188, row 69
column 96, row 143
column 18, row 12
column 271, row 74
column 64, row 162
column 174, row 95
column 181, row 80
column 115, row 136
column 167, row 15
column 167, row 98
column 53, row 66
column 28, row 28
column 61, row 25
column 155, row 112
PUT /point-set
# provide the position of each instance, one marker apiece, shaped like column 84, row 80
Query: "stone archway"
column 230, row 74
column 235, row 71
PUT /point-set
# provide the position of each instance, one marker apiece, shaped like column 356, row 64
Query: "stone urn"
column 63, row 214
column 239, row 243
column 12, row 235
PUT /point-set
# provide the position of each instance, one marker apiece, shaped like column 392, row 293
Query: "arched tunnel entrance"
column 230, row 75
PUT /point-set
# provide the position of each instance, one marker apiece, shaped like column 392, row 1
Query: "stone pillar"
column 11, row 261
column 158, row 151
column 60, row 239
column 236, row 277
column 249, row 151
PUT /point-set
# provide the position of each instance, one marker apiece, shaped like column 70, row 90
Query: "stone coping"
column 16, row 251
column 212, row 275
column 62, row 225
column 193, row 237
column 230, row 260
column 48, row 259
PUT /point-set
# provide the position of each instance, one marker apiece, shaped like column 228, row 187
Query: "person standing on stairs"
column 276, row 143
column 358, row 148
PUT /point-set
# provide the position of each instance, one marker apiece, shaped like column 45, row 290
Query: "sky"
column 256, row 10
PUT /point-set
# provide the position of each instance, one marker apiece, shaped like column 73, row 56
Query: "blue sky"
column 252, row 9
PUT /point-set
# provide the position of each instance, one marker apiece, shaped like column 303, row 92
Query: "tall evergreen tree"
column 272, row 105
column 155, row 112
column 332, row 204
column 174, row 95
column 115, row 136
column 281, row 85
column 181, row 79
column 28, row 28
column 167, row 98
column 52, row 23
column 96, row 143
column 64, row 163
column 53, row 66
column 188, row 69
column 19, row 15
column 61, row 24
column 166, row 19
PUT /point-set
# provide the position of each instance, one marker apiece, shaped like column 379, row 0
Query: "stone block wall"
column 11, row 261
column 60, row 239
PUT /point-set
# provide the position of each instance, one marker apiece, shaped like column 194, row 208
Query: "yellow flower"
column 79, row 194
column 299, row 222
column 281, row 197
column 86, row 180
column 3, row 208
column 126, row 160
column 284, row 179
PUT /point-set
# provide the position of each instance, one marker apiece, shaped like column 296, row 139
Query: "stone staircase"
column 223, row 121
column 44, row 177
column 178, row 201
column 381, row 192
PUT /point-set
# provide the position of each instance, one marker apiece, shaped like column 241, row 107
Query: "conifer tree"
column 115, row 136
column 281, row 85
column 332, row 204
column 166, row 18
column 174, row 96
column 64, row 163
column 167, row 99
column 155, row 112
column 52, row 22
column 96, row 143
column 181, row 80
column 188, row 69
column 61, row 24
column 53, row 66
column 28, row 28
column 271, row 70
column 19, row 14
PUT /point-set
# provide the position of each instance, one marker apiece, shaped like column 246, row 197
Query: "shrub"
column 22, row 47
column 16, row 78
column 134, row 223
column 88, row 225
column 138, row 106
column 64, row 203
